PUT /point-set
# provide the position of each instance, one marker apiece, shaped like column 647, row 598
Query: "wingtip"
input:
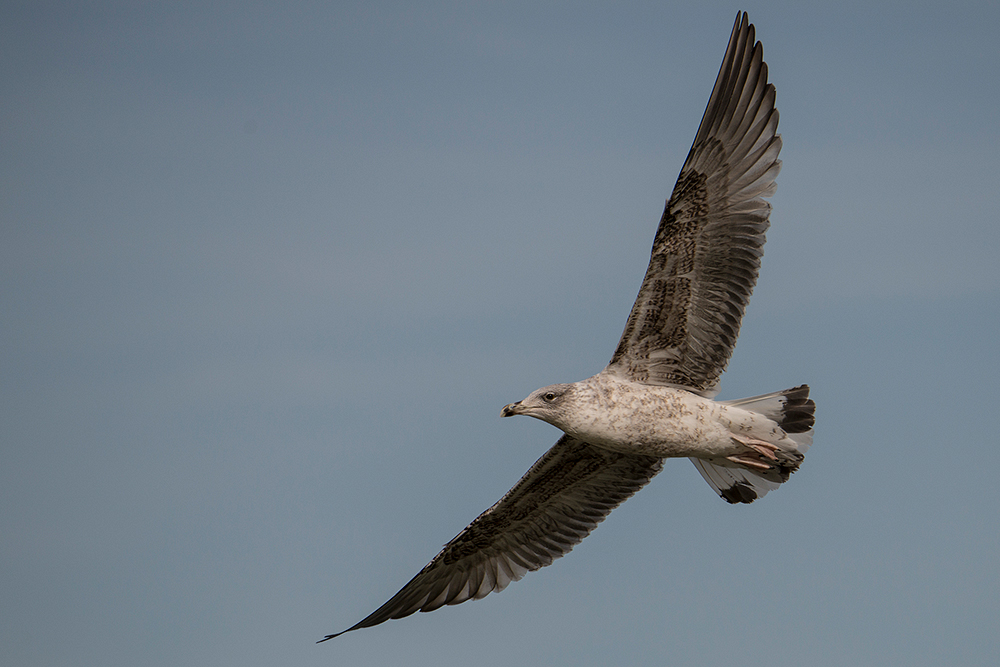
column 330, row 637
column 743, row 21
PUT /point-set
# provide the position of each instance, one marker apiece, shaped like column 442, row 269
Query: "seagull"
column 654, row 400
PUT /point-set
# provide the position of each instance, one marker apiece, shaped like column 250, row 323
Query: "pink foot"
column 760, row 455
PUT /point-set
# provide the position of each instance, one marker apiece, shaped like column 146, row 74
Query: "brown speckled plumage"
column 563, row 497
column 653, row 401
column 707, row 249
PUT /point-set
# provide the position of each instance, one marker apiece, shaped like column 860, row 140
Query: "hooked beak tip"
column 510, row 409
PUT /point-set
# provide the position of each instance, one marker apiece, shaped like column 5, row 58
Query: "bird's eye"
column 549, row 396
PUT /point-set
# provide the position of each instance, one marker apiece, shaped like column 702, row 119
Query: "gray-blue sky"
column 269, row 272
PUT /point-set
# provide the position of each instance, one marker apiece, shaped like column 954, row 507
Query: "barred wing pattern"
column 707, row 249
column 557, row 503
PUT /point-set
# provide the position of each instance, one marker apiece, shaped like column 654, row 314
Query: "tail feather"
column 794, row 412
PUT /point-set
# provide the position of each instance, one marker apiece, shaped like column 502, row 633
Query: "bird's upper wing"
column 563, row 497
column 707, row 249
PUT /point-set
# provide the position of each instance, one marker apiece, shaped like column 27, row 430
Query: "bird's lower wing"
column 556, row 504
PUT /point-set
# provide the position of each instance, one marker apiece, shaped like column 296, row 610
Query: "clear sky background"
column 268, row 272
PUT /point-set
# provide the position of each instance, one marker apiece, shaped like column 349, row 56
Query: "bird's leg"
column 756, row 458
column 749, row 463
column 762, row 447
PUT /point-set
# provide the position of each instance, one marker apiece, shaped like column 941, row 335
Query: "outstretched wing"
column 563, row 497
column 707, row 250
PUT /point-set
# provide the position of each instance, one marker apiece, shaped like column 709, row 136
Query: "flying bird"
column 653, row 401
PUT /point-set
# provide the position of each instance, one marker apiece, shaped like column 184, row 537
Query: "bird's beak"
column 511, row 409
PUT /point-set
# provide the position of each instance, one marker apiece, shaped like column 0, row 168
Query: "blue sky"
column 269, row 272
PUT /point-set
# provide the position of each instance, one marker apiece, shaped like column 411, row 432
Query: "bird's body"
column 633, row 418
column 654, row 400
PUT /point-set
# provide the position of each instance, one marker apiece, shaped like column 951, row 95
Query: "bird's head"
column 550, row 404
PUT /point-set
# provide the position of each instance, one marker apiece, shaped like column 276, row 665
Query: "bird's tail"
column 794, row 412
